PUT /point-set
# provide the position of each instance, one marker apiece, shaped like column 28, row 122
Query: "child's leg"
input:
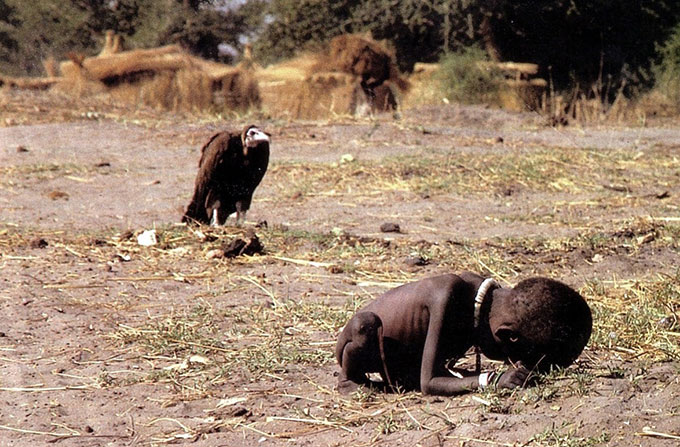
column 358, row 351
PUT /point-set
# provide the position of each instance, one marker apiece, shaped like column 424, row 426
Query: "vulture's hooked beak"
column 254, row 136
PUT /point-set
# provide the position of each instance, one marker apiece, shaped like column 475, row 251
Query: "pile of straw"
column 165, row 77
column 353, row 75
column 333, row 81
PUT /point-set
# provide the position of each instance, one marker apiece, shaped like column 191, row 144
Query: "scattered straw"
column 647, row 431
column 302, row 261
column 36, row 432
column 308, row 421
column 47, row 389
column 484, row 441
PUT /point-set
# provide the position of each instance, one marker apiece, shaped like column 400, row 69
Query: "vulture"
column 232, row 164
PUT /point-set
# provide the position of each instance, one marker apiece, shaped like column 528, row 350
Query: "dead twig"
column 40, row 390
column 647, row 431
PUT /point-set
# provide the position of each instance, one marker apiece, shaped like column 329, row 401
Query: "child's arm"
column 440, row 302
column 438, row 306
column 449, row 386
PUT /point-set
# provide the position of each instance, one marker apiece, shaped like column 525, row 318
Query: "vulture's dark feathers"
column 232, row 165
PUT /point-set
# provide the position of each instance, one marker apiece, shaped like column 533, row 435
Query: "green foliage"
column 582, row 41
column 194, row 24
column 202, row 31
column 46, row 28
column 466, row 78
column 574, row 41
column 298, row 23
column 667, row 71
column 8, row 43
column 420, row 31
column 33, row 31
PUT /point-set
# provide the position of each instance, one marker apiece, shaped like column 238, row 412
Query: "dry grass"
column 198, row 350
column 317, row 96
column 240, row 328
column 547, row 169
column 166, row 78
column 599, row 104
column 328, row 83
column 635, row 316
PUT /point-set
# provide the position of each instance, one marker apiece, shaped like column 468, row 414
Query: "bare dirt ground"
column 107, row 342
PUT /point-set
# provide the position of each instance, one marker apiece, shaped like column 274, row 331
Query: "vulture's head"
column 252, row 136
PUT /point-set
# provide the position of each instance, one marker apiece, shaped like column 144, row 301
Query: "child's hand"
column 514, row 378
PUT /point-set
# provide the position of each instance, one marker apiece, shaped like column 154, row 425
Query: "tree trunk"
column 489, row 39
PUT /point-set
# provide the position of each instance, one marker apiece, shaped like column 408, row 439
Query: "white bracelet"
column 484, row 380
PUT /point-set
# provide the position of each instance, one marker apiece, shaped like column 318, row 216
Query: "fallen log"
column 29, row 83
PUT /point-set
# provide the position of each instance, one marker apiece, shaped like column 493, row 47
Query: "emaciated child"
column 409, row 334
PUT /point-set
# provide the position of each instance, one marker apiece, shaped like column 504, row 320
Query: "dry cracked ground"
column 104, row 341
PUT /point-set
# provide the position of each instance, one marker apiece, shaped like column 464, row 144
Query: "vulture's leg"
column 214, row 220
column 240, row 218
column 212, row 207
column 240, row 214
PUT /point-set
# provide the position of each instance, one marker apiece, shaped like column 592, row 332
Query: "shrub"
column 667, row 71
column 468, row 77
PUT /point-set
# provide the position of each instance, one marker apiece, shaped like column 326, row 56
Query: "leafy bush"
column 78, row 26
column 574, row 42
column 467, row 77
column 420, row 31
column 578, row 42
column 296, row 25
column 667, row 71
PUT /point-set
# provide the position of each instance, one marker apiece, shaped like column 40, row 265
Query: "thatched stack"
column 165, row 77
column 353, row 75
column 338, row 81
column 292, row 90
column 424, row 86
column 521, row 90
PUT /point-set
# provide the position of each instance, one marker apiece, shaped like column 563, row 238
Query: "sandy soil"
column 81, row 181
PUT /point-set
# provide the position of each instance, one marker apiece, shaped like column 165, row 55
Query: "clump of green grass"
column 263, row 339
column 637, row 317
column 467, row 77
column 667, row 71
column 545, row 387
column 559, row 437
column 557, row 383
column 497, row 400
column 388, row 423
column 281, row 334
column 177, row 335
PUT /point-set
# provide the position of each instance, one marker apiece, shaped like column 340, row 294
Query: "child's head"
column 550, row 324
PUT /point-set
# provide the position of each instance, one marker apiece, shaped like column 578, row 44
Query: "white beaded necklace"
column 481, row 293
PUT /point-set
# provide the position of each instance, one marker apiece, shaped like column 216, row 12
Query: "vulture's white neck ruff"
column 255, row 136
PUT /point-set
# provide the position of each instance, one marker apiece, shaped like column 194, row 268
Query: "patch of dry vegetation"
column 334, row 81
column 546, row 169
column 634, row 316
